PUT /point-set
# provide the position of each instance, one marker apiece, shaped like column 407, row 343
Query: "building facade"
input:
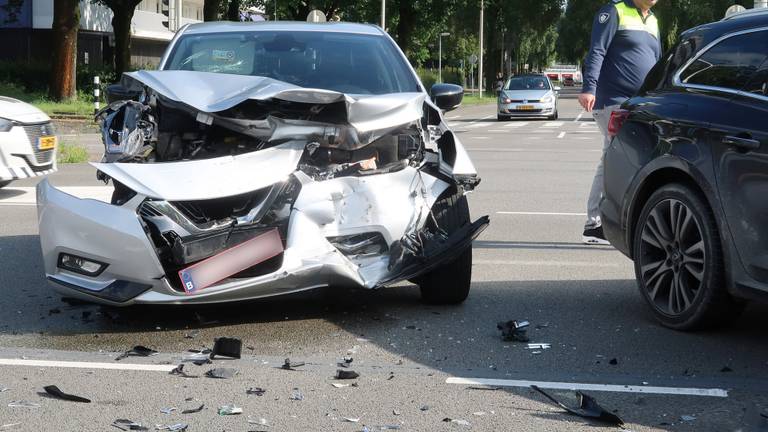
column 25, row 29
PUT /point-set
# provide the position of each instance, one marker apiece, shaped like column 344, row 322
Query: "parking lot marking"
column 561, row 136
column 682, row 391
column 87, row 365
column 539, row 213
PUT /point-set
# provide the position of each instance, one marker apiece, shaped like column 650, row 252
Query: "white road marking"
column 579, row 264
column 497, row 130
column 532, row 150
column 480, row 137
column 553, row 124
column 561, row 136
column 509, row 213
column 87, row 365
column 588, row 125
column 28, row 197
column 578, row 117
column 516, row 124
column 683, row 391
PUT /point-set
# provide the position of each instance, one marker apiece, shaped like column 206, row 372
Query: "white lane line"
column 26, row 196
column 480, row 137
column 539, row 213
column 86, row 365
column 516, row 124
column 579, row 264
column 553, row 124
column 561, row 136
column 578, row 117
column 498, row 130
column 531, row 150
column 683, row 391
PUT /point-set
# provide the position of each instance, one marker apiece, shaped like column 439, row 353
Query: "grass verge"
column 470, row 99
column 82, row 105
column 71, row 153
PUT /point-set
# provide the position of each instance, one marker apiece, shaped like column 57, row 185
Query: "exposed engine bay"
column 243, row 187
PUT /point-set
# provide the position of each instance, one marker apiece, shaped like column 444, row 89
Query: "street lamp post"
column 480, row 72
column 275, row 19
column 440, row 56
column 384, row 15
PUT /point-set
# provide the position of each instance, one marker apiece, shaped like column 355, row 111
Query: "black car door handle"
column 742, row 143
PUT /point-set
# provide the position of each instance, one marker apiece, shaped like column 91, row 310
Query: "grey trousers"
column 602, row 117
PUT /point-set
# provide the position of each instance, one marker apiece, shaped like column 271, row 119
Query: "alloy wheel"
column 673, row 257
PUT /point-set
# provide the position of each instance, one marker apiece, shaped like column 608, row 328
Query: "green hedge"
column 33, row 77
column 450, row 75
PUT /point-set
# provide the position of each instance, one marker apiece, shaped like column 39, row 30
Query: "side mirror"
column 447, row 97
column 116, row 92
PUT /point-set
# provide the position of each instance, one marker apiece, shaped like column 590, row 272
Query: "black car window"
column 730, row 64
column 759, row 83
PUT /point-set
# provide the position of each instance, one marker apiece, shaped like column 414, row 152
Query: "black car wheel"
column 500, row 117
column 4, row 183
column 679, row 260
column 449, row 283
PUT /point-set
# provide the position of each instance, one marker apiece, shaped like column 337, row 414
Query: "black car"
column 686, row 175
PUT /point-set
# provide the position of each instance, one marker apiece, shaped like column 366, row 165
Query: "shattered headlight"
column 124, row 129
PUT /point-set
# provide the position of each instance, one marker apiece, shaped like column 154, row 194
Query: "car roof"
column 735, row 23
column 298, row 26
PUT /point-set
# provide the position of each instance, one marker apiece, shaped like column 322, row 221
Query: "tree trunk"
column 121, row 25
column 211, row 10
column 405, row 25
column 233, row 11
column 66, row 22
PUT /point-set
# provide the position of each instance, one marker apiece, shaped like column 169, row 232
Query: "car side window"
column 730, row 64
column 759, row 83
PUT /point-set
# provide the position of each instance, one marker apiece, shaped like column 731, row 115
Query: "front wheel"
column 449, row 283
column 4, row 183
column 679, row 261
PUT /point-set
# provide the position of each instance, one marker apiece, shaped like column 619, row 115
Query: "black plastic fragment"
column 613, row 362
column 258, row 391
column 193, row 410
column 137, row 351
column 514, row 331
column 221, row 373
column 291, row 366
column 55, row 392
column 227, row 347
column 726, row 369
column 588, row 408
column 128, row 425
column 346, row 374
column 179, row 370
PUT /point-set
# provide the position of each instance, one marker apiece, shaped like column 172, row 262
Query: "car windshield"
column 527, row 83
column 347, row 63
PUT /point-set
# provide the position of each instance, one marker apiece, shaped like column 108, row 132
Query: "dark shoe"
column 594, row 236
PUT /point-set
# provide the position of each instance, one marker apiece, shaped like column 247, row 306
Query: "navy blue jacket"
column 624, row 48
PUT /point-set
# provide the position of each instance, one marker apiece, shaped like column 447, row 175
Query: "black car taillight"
column 617, row 120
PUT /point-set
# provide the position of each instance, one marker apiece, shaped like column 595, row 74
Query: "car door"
column 738, row 137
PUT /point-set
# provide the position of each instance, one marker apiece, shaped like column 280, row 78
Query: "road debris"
column 137, row 351
column 173, row 427
column 9, row 426
column 588, row 408
column 538, row 346
column 199, row 358
column 514, row 331
column 687, row 418
column 4, row 389
column 726, row 369
column 345, row 362
column 340, row 385
column 613, row 362
column 128, row 425
column 346, row 374
column 351, row 419
column 179, row 370
column 296, row 395
column 261, row 421
column 227, row 347
column 258, row 391
column 225, row 410
column 287, row 365
column 23, row 404
column 193, row 410
column 221, row 373
column 58, row 394
column 192, row 334
column 395, row 412
column 424, row 408
column 457, row 421
column 168, row 410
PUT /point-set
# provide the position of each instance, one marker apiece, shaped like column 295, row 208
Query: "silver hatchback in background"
column 528, row 96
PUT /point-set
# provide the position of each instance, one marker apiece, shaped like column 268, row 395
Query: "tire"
column 679, row 265
column 554, row 116
column 4, row 183
column 501, row 117
column 449, row 283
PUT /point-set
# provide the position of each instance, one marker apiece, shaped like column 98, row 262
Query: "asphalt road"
column 528, row 265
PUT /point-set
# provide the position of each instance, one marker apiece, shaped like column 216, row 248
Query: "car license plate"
column 525, row 107
column 46, row 143
column 231, row 261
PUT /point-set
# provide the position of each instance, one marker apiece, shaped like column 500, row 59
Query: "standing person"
column 499, row 82
column 625, row 46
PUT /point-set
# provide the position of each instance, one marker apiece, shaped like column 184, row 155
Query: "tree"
column 66, row 23
column 211, row 10
column 122, row 15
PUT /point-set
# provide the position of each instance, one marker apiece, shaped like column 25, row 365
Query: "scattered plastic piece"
column 193, row 410
column 258, row 421
column 291, row 366
column 345, row 362
column 191, row 335
column 173, row 427
column 613, row 362
column 9, row 426
column 351, row 419
column 514, row 331
column 258, row 391
column 346, row 374
column 588, row 408
column 339, row 385
column 128, row 425
column 221, row 373
column 726, row 369
column 687, row 418
column 55, row 392
column 424, row 408
column 179, row 370
column 479, row 413
column 227, row 347
column 4, row 389
column 230, row 410
column 198, row 358
column 137, row 351
column 296, row 395
column 387, row 427
column 457, row 421
column 23, row 404
column 395, row 412
column 483, row 388
column 168, row 410
column 538, row 346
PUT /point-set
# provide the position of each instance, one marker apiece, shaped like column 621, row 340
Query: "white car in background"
column 27, row 141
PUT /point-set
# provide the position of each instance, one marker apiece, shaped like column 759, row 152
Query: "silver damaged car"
column 268, row 158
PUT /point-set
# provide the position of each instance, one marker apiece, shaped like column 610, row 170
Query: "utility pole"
column 275, row 11
column 480, row 73
column 440, row 57
column 384, row 15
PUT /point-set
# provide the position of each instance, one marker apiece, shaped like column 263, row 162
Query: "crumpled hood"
column 215, row 92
